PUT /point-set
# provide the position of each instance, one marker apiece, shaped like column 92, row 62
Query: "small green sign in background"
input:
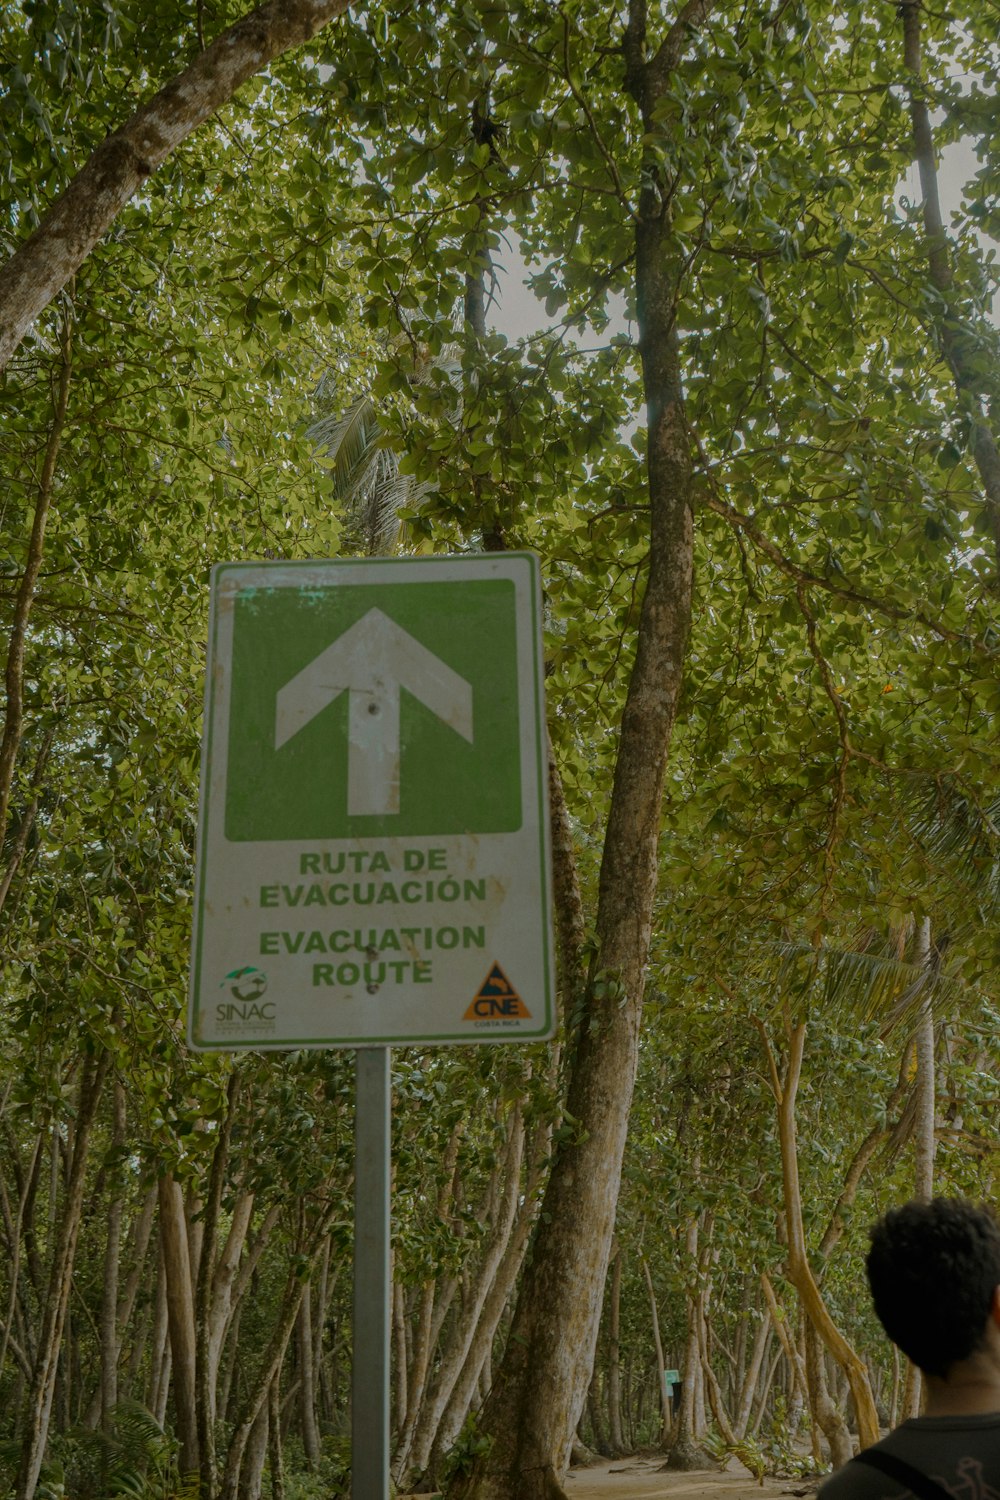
column 446, row 784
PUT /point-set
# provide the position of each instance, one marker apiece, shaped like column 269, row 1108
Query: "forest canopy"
column 752, row 438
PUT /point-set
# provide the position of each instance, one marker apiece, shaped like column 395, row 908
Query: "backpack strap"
column 921, row 1484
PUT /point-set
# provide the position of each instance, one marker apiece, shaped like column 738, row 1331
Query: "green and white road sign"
column 373, row 844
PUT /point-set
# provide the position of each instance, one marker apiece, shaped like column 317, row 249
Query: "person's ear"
column 995, row 1306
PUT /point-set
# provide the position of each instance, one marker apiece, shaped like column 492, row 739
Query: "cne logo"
column 497, row 1000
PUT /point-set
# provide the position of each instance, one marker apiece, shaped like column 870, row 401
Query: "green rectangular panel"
column 373, row 839
column 446, row 783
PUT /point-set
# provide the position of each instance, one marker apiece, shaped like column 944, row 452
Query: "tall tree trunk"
column 255, row 1455
column 43, row 1384
column 204, row 1269
column 540, row 1388
column 599, row 1433
column 249, row 1416
column 827, row 1415
column 762, row 1395
column 274, row 1443
column 925, row 1142
column 159, row 1345
column 400, row 1397
column 13, row 1224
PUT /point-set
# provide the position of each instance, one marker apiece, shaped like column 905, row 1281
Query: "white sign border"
column 531, row 688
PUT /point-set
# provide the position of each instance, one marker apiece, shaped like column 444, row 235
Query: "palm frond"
column 956, row 829
column 864, row 983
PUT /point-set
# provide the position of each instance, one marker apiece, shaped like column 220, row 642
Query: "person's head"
column 934, row 1269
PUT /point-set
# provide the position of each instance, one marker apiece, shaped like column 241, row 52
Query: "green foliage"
column 268, row 360
column 470, row 1445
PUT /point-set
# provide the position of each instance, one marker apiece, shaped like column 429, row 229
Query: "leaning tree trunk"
column 540, row 1387
column 453, row 1357
column 43, row 1384
column 476, row 1370
column 800, row 1271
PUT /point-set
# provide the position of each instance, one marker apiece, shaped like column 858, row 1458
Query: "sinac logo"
column 245, row 984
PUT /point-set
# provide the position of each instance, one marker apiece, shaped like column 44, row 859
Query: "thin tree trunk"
column 13, row 1226
column 684, row 1453
column 476, row 1371
column 112, row 1256
column 763, row 1394
column 14, row 675
column 962, row 356
column 925, row 1141
column 826, row 1413
column 617, row 1437
column 401, row 1399
column 924, row 1137
column 180, row 1319
column 751, row 1375
column 799, row 1270
column 661, row 1385
column 39, row 1411
column 159, row 1351
column 141, row 1235
column 796, row 1363
column 255, row 1455
column 596, row 1415
column 256, row 1402
column 307, row 1386
column 715, row 1398
column 275, row 1453
column 451, row 1363
column 203, row 1274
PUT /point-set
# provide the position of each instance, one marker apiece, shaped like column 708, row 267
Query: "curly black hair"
column 933, row 1269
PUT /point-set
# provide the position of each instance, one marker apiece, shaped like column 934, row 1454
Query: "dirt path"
column 641, row 1479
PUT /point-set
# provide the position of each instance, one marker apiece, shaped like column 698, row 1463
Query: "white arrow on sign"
column 371, row 662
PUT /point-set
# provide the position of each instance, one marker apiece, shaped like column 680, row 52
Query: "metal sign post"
column 370, row 1369
column 373, row 849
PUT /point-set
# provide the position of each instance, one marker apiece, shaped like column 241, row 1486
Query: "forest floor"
column 642, row 1478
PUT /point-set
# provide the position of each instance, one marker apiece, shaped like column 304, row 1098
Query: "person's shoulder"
column 857, row 1481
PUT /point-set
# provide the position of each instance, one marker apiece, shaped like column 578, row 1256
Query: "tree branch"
column 125, row 159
